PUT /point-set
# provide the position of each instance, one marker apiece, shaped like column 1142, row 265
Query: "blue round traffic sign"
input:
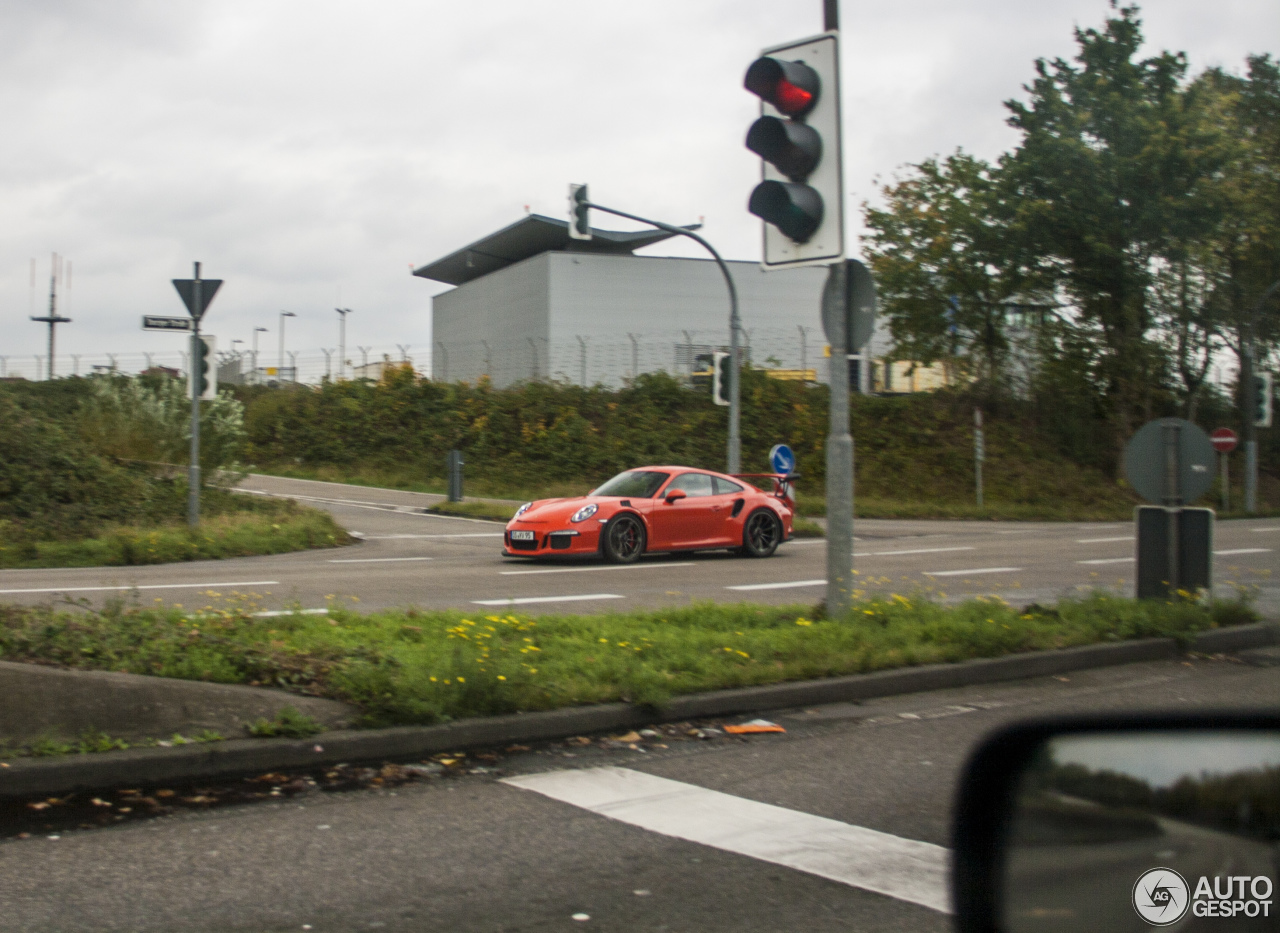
column 782, row 459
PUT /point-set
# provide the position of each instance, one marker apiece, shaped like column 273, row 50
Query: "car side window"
column 693, row 484
column 723, row 487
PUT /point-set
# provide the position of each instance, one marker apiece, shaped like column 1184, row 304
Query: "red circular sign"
column 1224, row 440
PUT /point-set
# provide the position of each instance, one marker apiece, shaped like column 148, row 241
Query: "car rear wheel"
column 761, row 534
column 623, row 540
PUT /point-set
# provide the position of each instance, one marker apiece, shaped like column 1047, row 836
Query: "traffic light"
column 204, row 366
column 720, row 379
column 1263, row 385
column 579, row 221
column 800, row 197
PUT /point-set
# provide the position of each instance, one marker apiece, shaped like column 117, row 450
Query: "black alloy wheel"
column 761, row 534
column 623, row 540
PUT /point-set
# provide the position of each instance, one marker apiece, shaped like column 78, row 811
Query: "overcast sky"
column 310, row 153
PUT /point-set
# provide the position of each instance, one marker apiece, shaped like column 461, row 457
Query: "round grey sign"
column 1151, row 465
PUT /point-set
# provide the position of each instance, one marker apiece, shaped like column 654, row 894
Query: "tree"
column 1112, row 168
column 944, row 265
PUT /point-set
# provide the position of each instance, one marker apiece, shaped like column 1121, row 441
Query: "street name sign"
column 155, row 322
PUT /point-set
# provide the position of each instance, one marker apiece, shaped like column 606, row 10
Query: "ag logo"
column 1161, row 896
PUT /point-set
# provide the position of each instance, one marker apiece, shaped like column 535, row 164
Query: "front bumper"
column 556, row 541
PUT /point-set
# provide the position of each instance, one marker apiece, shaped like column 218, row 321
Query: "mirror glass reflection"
column 1137, row 830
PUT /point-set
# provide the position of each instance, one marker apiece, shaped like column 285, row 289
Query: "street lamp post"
column 283, row 315
column 256, row 332
column 342, row 339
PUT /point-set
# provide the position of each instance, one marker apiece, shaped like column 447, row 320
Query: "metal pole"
column 830, row 15
column 342, row 339
column 582, row 343
column 1226, row 484
column 193, row 470
column 1172, row 497
column 735, row 394
column 979, row 451
column 839, row 450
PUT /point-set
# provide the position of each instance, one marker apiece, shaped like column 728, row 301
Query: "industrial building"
column 531, row 303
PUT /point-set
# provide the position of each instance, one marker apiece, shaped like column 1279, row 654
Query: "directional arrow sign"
column 187, row 289
column 152, row 322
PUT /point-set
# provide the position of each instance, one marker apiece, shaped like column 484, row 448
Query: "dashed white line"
column 526, row 600
column 923, row 550
column 961, row 573
column 150, row 586
column 1260, row 530
column 374, row 560
column 1109, row 560
column 290, row 612
column 1243, row 550
column 1102, row 540
column 469, row 534
column 518, row 573
column 906, row 869
column 778, row 586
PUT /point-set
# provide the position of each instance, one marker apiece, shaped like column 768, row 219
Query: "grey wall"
column 508, row 310
column 563, row 300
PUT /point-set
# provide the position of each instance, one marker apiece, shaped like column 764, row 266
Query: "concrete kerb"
column 242, row 757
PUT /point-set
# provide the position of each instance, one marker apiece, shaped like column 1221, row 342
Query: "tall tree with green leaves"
column 944, row 265
column 1113, row 166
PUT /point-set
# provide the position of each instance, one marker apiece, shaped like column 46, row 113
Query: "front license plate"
column 522, row 536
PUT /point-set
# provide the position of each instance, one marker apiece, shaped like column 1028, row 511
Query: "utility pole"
column 342, row 339
column 283, row 315
column 635, row 356
column 1250, row 402
column 256, row 332
column 53, row 318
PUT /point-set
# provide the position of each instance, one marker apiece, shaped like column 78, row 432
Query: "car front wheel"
column 623, row 540
column 761, row 534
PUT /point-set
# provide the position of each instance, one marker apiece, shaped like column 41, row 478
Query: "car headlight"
column 584, row 513
column 520, row 511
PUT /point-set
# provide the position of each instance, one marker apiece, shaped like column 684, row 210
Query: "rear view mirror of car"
column 1121, row 823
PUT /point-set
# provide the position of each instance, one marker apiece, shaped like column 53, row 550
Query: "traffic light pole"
column 1250, row 402
column 193, row 382
column 839, row 449
column 735, row 397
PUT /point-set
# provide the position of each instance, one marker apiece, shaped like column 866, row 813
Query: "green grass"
column 412, row 666
column 263, row 527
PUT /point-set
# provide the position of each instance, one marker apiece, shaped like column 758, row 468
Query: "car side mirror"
column 675, row 494
column 1119, row 823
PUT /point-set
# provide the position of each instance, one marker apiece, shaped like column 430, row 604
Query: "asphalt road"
column 503, row 852
column 409, row 558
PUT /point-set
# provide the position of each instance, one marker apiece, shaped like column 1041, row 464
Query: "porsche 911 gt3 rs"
column 659, row 508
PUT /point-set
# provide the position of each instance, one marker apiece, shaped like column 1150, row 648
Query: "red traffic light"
column 795, row 149
column 791, row 87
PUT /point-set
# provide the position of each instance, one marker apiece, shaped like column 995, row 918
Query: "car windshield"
column 639, row 483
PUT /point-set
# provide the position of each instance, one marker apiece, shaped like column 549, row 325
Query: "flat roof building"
column 531, row 303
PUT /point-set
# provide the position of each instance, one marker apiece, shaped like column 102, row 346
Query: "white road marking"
column 1260, row 530
column 373, row 560
column 518, row 573
column 468, row 534
column 961, row 573
column 1024, row 531
column 905, row 869
column 923, row 550
column 809, row 541
column 1243, row 550
column 1109, row 560
column 150, row 586
column 778, row 586
column 376, row 506
column 1102, row 540
column 525, row 600
column 290, row 612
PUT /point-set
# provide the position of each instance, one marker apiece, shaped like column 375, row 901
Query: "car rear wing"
column 783, row 483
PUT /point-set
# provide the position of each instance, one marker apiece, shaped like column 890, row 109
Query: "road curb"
column 240, row 757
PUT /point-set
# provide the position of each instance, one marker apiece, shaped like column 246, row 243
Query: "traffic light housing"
column 720, row 378
column 1263, row 400
column 204, row 367
column 579, row 219
column 797, row 136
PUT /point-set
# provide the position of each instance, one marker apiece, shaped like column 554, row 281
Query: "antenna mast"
column 52, row 318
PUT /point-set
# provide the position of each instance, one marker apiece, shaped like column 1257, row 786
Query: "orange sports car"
column 659, row 508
